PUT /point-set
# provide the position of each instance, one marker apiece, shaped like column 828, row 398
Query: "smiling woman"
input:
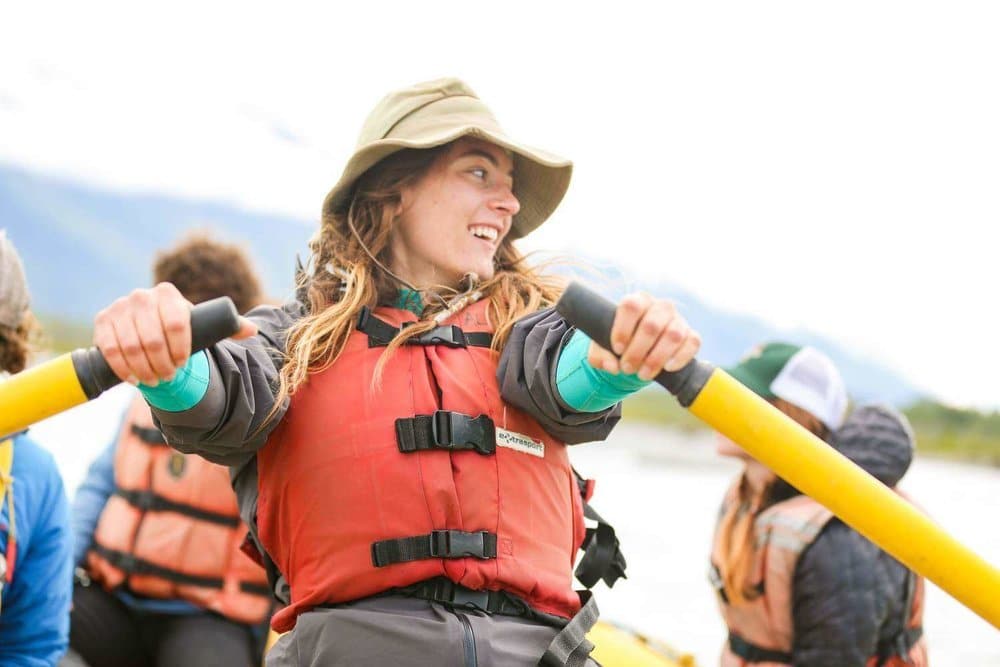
column 453, row 219
column 398, row 434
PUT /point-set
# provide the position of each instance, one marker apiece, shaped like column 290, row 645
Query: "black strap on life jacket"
column 436, row 544
column 132, row 565
column 147, row 501
column 447, row 592
column 571, row 648
column 753, row 653
column 906, row 638
column 277, row 586
column 899, row 646
column 602, row 557
column 150, row 435
column 446, row 430
column 715, row 579
column 381, row 333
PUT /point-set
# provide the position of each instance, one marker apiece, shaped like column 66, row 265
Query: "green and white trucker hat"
column 803, row 376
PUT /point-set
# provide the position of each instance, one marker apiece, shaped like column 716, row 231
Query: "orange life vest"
column 761, row 630
column 426, row 474
column 172, row 529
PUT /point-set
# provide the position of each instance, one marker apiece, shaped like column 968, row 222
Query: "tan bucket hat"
column 13, row 285
column 436, row 113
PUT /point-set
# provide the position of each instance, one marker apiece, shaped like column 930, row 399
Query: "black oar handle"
column 211, row 321
column 594, row 315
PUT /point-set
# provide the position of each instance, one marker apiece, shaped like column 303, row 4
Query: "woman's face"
column 452, row 220
column 757, row 474
column 726, row 447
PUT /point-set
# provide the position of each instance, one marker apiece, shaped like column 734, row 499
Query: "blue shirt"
column 34, row 621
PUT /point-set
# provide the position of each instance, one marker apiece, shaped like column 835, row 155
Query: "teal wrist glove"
column 186, row 389
column 588, row 389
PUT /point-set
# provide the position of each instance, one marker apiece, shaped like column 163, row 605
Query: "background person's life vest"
column 761, row 630
column 172, row 530
column 427, row 474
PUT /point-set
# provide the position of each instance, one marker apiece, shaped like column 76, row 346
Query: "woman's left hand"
column 648, row 336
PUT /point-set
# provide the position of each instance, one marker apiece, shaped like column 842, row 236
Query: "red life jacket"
column 761, row 630
column 172, row 529
column 427, row 474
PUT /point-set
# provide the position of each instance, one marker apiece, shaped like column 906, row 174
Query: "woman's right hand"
column 146, row 336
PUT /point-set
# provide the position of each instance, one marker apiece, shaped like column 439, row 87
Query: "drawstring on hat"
column 357, row 237
column 451, row 306
column 463, row 299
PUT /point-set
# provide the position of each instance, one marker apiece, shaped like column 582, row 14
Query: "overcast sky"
column 832, row 166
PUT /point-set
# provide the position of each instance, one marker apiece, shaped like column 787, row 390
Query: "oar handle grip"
column 211, row 321
column 594, row 315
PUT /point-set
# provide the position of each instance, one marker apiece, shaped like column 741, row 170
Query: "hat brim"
column 540, row 178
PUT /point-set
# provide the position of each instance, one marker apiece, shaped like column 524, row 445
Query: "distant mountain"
column 727, row 336
column 83, row 247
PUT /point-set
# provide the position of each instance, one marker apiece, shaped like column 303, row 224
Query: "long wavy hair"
column 346, row 271
column 736, row 526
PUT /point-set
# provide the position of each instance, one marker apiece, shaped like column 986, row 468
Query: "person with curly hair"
column 161, row 577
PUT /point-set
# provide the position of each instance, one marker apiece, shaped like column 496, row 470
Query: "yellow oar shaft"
column 812, row 466
column 79, row 376
column 40, row 392
column 871, row 508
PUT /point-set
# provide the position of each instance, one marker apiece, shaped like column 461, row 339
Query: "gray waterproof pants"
column 409, row 632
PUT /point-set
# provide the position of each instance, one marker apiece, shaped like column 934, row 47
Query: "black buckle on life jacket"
column 459, row 544
column 381, row 333
column 449, row 336
column 445, row 591
column 453, row 430
column 436, row 544
column 445, row 429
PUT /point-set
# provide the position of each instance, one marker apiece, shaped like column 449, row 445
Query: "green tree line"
column 942, row 431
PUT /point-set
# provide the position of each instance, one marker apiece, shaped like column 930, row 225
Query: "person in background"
column 398, row 434
column 162, row 578
column 796, row 586
column 35, row 539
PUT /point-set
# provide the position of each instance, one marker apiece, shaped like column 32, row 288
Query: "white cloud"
column 826, row 166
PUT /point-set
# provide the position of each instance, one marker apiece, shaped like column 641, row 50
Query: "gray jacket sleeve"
column 527, row 374
column 225, row 427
